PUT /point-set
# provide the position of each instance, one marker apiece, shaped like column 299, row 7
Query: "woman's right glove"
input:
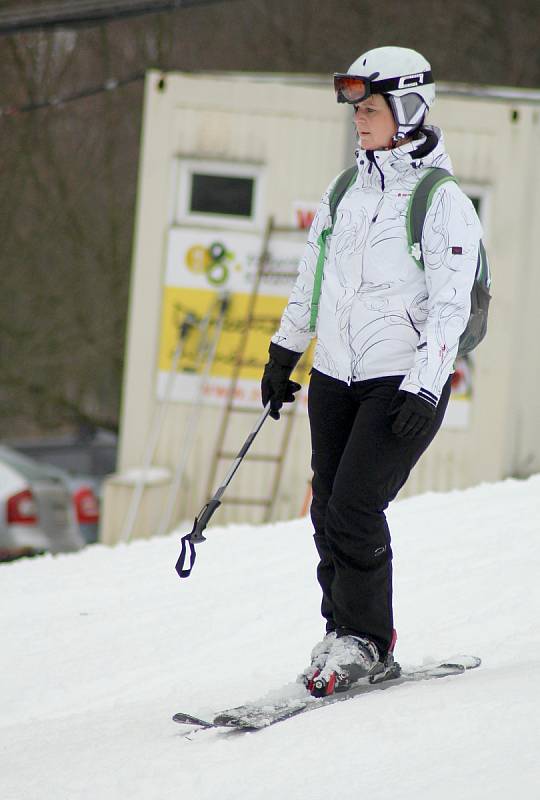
column 275, row 385
column 413, row 415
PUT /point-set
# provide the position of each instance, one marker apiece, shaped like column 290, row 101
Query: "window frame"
column 187, row 167
column 483, row 193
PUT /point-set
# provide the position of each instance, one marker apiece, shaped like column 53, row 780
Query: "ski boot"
column 352, row 659
column 319, row 654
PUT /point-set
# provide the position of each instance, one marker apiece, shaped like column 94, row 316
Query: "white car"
column 36, row 509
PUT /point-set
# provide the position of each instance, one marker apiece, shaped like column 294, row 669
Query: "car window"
column 29, row 469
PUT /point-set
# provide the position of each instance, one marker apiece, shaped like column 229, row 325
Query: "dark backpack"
column 419, row 203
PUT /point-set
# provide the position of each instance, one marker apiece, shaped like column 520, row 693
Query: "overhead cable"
column 108, row 86
column 87, row 12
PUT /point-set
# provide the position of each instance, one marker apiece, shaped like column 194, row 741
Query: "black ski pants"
column 359, row 466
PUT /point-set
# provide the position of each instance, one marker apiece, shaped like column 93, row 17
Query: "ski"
column 297, row 700
column 194, row 722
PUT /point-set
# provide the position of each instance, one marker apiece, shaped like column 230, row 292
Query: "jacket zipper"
column 372, row 160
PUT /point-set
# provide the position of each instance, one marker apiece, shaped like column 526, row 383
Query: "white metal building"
column 273, row 144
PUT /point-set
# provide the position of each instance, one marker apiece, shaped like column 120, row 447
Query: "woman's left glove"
column 275, row 385
column 413, row 416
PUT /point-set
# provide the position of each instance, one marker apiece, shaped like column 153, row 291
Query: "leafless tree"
column 68, row 173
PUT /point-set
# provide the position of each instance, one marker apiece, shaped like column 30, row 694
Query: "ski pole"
column 203, row 517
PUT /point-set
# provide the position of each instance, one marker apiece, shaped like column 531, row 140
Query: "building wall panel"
column 300, row 136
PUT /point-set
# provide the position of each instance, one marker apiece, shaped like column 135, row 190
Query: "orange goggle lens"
column 351, row 89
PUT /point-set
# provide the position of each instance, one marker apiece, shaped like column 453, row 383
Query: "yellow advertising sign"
column 205, row 271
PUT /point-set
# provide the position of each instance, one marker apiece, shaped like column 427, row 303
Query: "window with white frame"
column 218, row 192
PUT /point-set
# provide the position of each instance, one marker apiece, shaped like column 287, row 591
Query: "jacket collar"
column 380, row 169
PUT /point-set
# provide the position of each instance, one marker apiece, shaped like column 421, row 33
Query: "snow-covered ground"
column 100, row 648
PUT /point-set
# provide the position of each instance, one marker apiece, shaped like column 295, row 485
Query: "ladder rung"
column 245, row 501
column 248, row 457
column 285, row 412
column 245, row 409
column 274, row 274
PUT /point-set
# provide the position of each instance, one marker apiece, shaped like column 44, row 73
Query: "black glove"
column 275, row 384
column 413, row 415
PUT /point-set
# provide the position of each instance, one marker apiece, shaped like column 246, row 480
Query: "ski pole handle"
column 202, row 519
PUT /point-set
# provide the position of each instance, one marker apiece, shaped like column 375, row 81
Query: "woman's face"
column 374, row 123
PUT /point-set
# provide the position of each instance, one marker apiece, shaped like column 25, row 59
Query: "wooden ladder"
column 276, row 460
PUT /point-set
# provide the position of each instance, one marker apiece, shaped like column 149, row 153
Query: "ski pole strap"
column 196, row 536
column 180, row 564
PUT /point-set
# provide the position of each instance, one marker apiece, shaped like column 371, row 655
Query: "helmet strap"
column 408, row 111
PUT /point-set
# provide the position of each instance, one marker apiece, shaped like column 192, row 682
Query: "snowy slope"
column 100, row 648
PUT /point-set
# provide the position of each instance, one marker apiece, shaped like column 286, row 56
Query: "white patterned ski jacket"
column 379, row 313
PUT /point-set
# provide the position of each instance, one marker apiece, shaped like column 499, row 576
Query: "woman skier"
column 387, row 337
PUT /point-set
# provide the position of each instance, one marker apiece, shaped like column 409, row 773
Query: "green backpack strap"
column 419, row 203
column 346, row 179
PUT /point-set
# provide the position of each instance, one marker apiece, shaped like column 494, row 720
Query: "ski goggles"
column 355, row 88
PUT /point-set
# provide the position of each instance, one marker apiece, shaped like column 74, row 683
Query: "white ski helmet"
column 402, row 75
